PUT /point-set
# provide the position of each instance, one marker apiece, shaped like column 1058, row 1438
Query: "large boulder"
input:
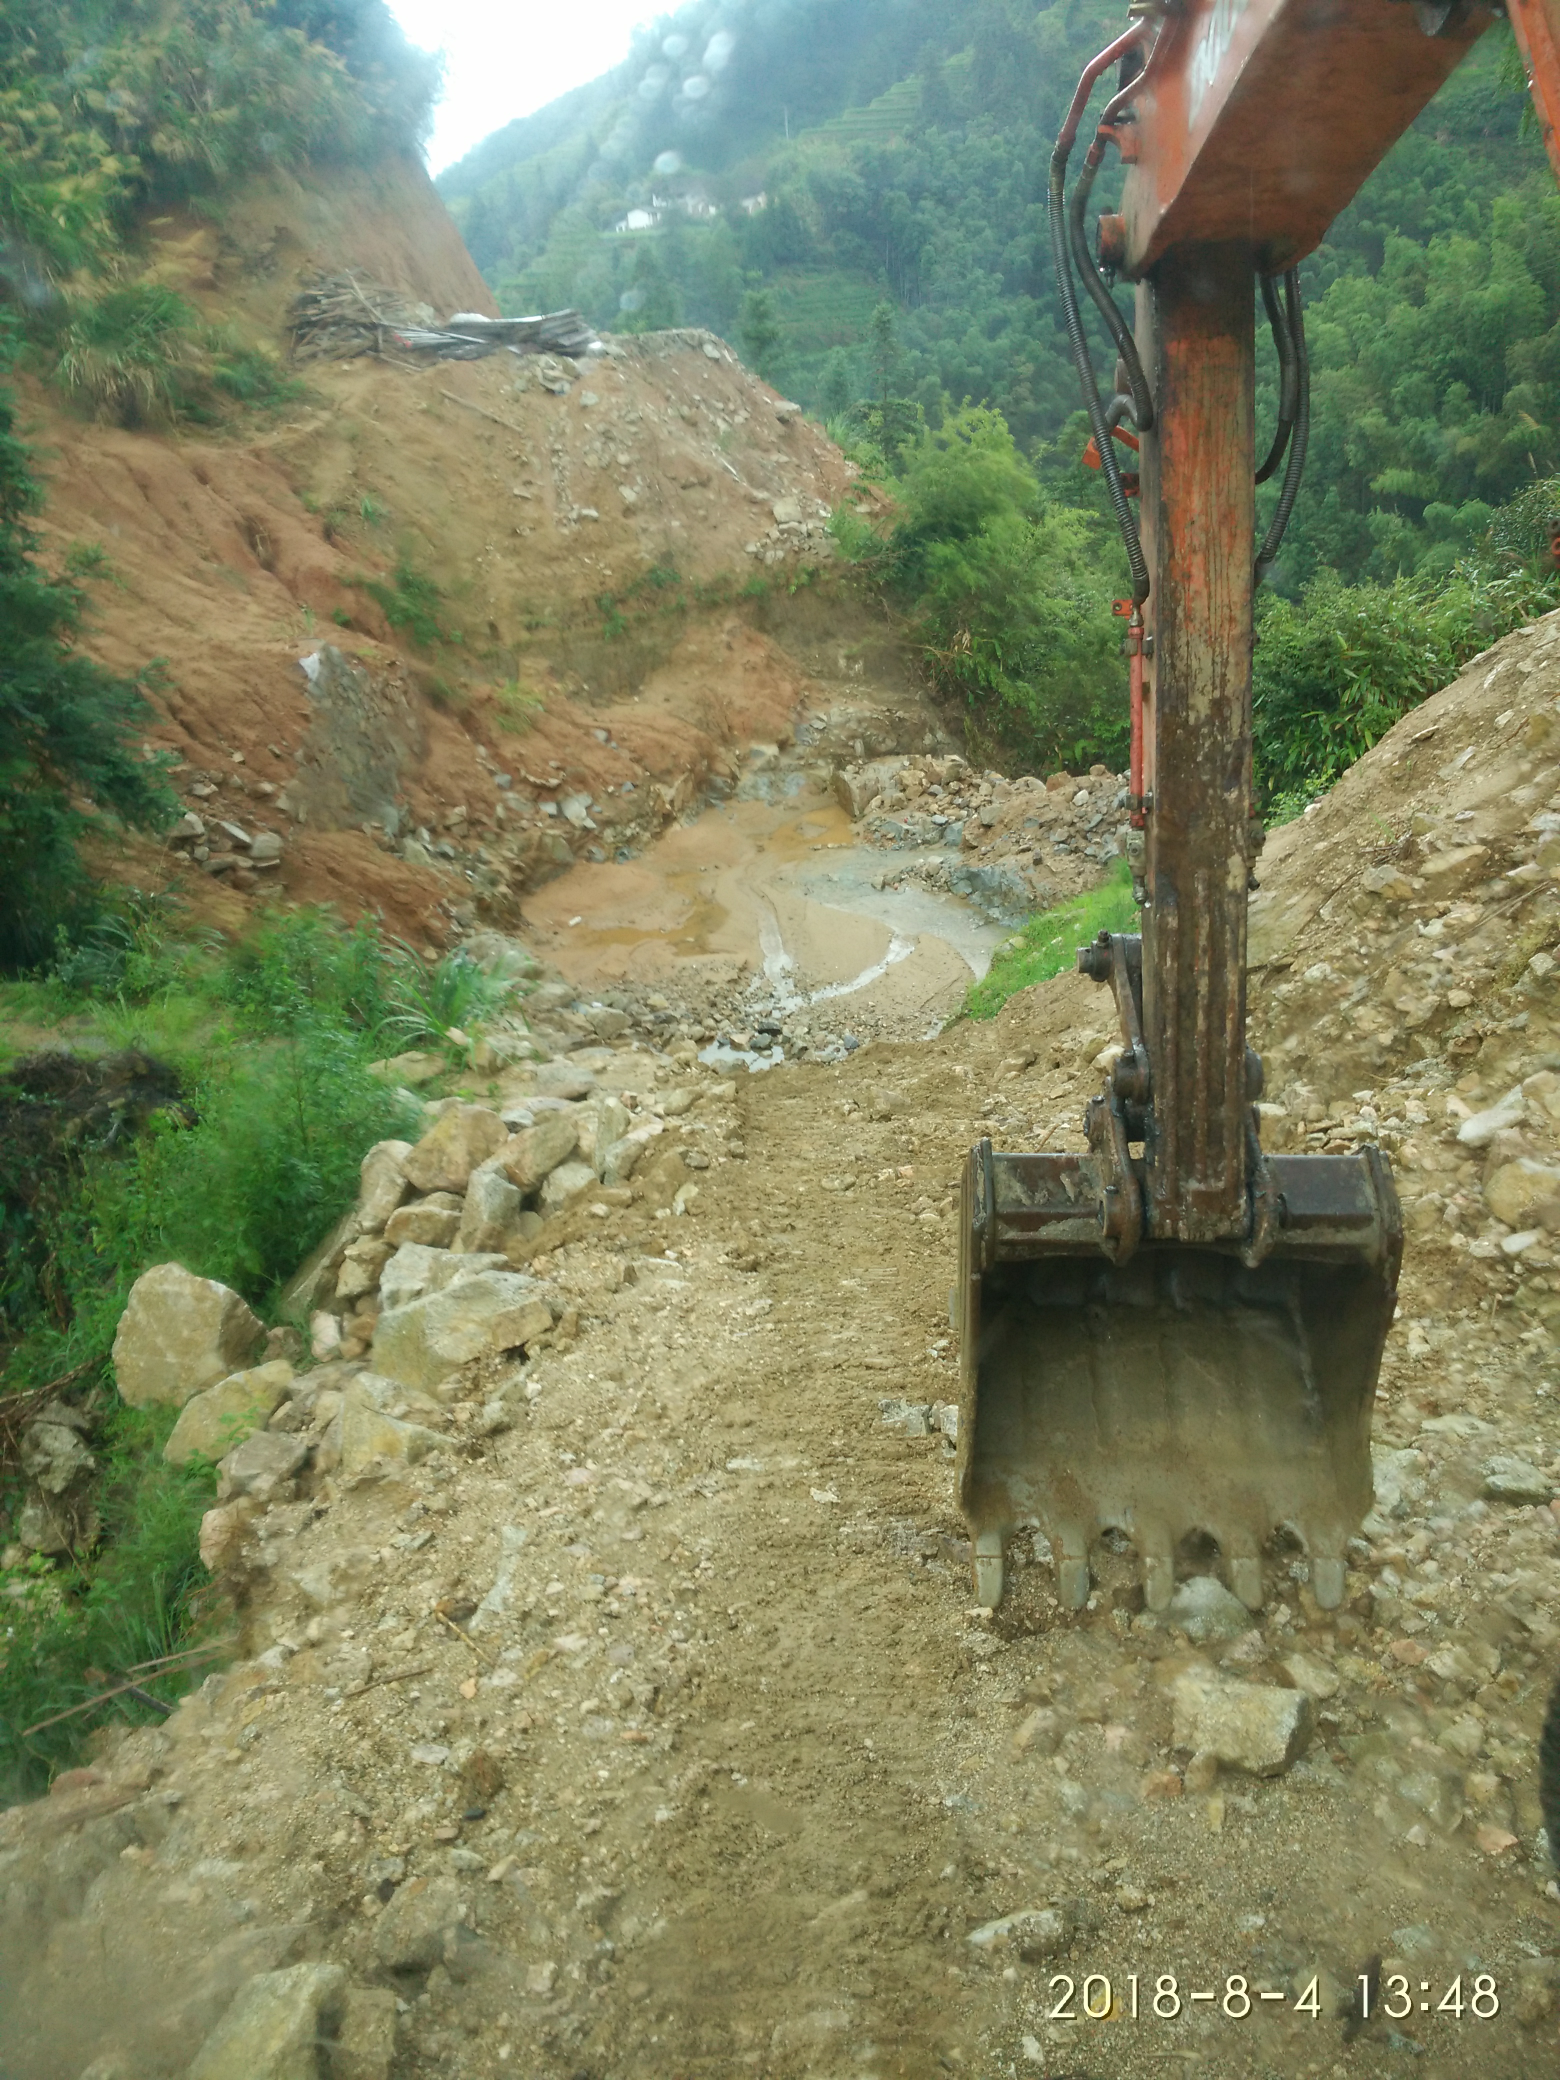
column 1525, row 1194
column 603, row 1121
column 180, row 1334
column 210, row 1424
column 418, row 1268
column 384, row 1186
column 564, row 1185
column 368, row 1433
column 476, row 1317
column 492, row 1207
column 276, row 2028
column 533, row 1154
column 262, row 1466
column 453, row 1146
column 434, row 1221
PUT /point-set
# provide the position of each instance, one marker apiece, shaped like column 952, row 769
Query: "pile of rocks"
column 421, row 1307
column 223, row 847
column 1010, row 846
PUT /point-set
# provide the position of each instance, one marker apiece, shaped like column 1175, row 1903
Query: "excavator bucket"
column 1181, row 1395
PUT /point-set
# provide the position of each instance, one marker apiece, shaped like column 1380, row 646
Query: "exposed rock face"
column 212, row 1423
column 178, row 1335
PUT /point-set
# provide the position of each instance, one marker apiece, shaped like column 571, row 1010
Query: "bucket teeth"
column 1327, row 1581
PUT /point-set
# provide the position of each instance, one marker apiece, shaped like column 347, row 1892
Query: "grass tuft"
column 1049, row 943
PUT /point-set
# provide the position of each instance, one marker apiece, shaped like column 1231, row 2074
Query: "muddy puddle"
column 778, row 894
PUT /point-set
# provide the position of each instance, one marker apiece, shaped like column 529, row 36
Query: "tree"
column 68, row 756
column 883, row 352
column 836, row 391
column 759, row 332
column 937, row 111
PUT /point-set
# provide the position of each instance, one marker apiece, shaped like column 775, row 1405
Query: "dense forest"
column 914, row 175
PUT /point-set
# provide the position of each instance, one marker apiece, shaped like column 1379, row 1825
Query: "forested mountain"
column 913, row 173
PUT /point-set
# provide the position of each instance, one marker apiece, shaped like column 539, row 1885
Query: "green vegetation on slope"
column 1048, row 944
column 269, row 1044
column 69, row 750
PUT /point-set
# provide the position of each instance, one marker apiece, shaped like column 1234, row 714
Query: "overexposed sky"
column 504, row 58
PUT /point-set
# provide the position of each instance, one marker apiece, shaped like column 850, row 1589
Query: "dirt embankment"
column 653, row 1734
column 593, row 656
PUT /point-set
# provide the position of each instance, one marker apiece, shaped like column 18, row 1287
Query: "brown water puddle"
column 755, row 888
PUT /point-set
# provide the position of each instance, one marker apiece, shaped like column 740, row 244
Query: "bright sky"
column 504, row 58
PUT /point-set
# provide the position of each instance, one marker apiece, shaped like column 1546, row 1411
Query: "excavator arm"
column 1177, row 1336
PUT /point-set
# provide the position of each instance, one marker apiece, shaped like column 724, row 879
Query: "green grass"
column 67, row 1632
column 1048, row 944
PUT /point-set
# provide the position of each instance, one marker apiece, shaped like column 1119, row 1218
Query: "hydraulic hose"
column 1057, row 203
column 1293, row 468
column 1120, row 331
column 1288, row 371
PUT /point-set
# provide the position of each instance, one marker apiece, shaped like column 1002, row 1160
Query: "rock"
column 275, row 2027
column 411, row 1069
column 361, row 1265
column 265, row 848
column 1249, row 1726
column 1037, row 1933
column 314, row 1282
column 434, row 1221
column 417, row 1268
column 262, row 1466
column 53, row 1455
column 178, row 1335
column 1204, row 1609
column 492, row 1207
column 1523, row 1193
column 1308, row 1672
column 365, row 1433
column 533, row 1154
column 1444, row 871
column 212, row 1423
column 453, row 1146
column 565, row 1183
column 222, row 1533
column 1388, row 882
column 324, row 1337
column 1040, row 1734
column 478, row 1316
column 365, row 2040
column 383, row 1186
column 411, row 1933
column 905, row 1418
column 43, row 1527
column 564, row 1080
column 1480, row 1128
column 603, row 1121
column 618, row 1163
column 1399, row 1482
column 1507, row 1479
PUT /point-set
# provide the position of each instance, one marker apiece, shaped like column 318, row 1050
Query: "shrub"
column 412, row 601
column 64, row 1636
column 1334, row 670
column 130, row 354
column 1007, row 593
column 68, row 728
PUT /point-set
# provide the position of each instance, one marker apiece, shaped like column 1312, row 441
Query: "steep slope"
column 490, row 559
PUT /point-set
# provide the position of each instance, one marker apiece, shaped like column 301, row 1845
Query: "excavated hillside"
column 586, row 543
column 617, row 1708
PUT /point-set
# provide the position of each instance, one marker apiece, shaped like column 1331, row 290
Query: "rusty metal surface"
column 1185, row 1394
column 1262, row 120
column 1196, row 324
column 1536, row 26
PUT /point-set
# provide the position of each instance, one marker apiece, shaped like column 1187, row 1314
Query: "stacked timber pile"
column 340, row 316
